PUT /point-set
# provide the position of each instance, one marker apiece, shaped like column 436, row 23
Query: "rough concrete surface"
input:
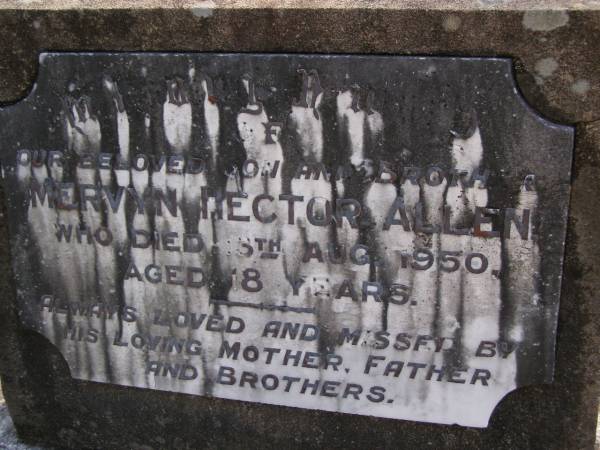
column 8, row 435
column 556, row 56
column 300, row 4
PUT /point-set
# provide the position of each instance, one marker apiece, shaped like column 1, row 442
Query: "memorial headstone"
column 221, row 246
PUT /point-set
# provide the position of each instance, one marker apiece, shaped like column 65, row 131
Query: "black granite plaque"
column 375, row 235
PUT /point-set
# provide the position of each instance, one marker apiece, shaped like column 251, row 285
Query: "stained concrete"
column 47, row 405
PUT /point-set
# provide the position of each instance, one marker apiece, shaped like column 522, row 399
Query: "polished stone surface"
column 408, row 213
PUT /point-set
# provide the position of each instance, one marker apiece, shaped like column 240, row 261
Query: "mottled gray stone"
column 48, row 406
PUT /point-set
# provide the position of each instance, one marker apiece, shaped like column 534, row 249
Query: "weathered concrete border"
column 556, row 59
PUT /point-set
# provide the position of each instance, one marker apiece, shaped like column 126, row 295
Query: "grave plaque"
column 374, row 235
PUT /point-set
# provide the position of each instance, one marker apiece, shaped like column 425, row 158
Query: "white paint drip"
column 177, row 117
column 467, row 152
column 425, row 282
column 353, row 124
column 451, row 282
column 309, row 129
column 211, row 120
column 524, row 260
